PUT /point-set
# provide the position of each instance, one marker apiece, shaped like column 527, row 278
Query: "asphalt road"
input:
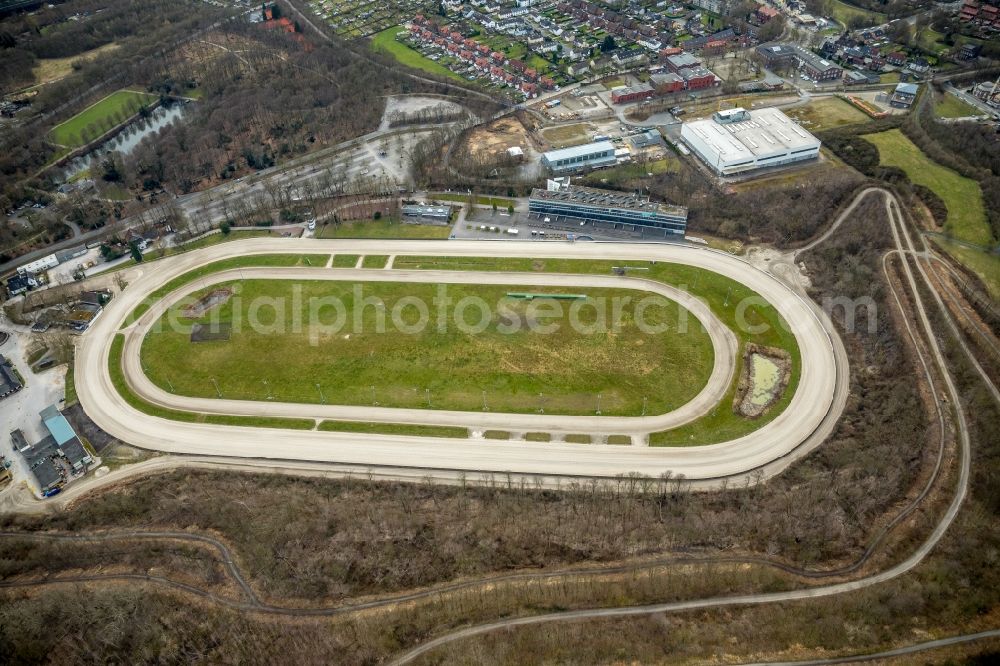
column 770, row 449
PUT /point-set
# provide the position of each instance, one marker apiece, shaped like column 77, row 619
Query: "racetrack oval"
column 802, row 422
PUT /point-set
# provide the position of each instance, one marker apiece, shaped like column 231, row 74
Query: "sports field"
column 966, row 212
column 441, row 366
column 386, row 41
column 99, row 117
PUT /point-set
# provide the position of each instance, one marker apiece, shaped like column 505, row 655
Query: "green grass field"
column 100, row 117
column 386, row 41
column 374, row 261
column 314, row 260
column 121, row 385
column 843, row 13
column 382, row 229
column 966, row 212
column 827, row 113
column 950, row 106
column 719, row 292
column 393, row 429
column 569, row 367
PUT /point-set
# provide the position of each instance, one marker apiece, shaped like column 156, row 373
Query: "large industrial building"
column 737, row 140
column 587, row 156
column 608, row 208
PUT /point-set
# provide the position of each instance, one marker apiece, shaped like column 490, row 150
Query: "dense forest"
column 265, row 97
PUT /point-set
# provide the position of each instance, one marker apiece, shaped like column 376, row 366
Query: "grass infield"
column 719, row 292
column 440, row 366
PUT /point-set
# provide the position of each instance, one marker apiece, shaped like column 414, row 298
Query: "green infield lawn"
column 512, row 358
column 386, row 41
column 121, row 386
column 99, row 117
column 720, row 293
column 966, row 212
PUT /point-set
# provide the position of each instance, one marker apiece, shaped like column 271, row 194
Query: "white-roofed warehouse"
column 737, row 140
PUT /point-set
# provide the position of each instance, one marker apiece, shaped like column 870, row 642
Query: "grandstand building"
column 736, row 140
column 607, row 208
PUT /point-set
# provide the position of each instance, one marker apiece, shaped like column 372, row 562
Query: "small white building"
column 40, row 265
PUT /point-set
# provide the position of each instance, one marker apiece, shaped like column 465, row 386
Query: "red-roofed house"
column 667, row 52
column 765, row 13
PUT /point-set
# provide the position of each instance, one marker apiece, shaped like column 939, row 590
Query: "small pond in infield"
column 765, row 379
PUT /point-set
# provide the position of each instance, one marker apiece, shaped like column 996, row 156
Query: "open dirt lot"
column 564, row 136
column 493, row 140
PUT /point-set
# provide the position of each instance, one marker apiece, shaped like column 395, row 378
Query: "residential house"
column 903, row 96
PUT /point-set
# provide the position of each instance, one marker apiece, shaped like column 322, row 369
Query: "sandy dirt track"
column 802, row 426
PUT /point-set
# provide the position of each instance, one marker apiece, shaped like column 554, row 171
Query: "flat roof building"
column 589, row 204
column 9, row 382
column 587, row 156
column 737, row 140
column 437, row 213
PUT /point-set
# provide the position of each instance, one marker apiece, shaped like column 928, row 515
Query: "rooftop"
column 768, row 130
column 579, row 151
column 683, row 60
column 907, row 88
column 593, row 196
column 8, row 380
column 57, row 424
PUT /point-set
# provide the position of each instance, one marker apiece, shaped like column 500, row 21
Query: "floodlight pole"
column 427, row 392
column 728, row 292
column 268, row 387
column 216, row 384
column 541, row 406
column 485, row 408
column 643, row 405
column 321, row 396
column 170, row 385
column 598, row 404
column 374, row 401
